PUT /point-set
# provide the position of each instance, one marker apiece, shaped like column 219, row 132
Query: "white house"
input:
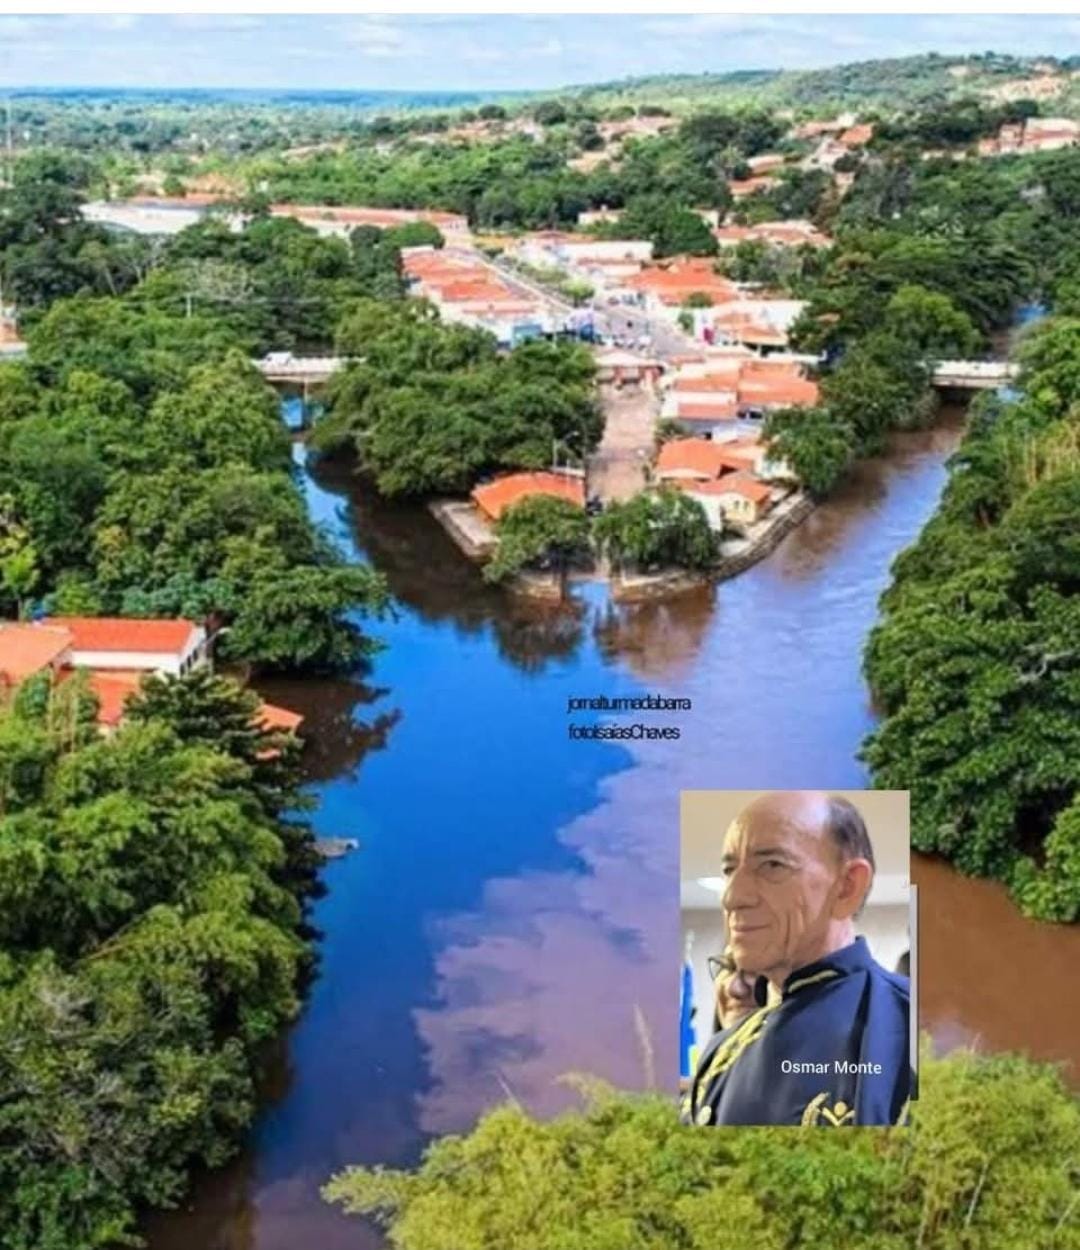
column 113, row 642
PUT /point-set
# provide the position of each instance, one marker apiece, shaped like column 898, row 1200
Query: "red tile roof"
column 856, row 136
column 732, row 484
column 717, row 410
column 271, row 717
column 493, row 498
column 118, row 633
column 778, row 392
column 745, row 328
column 726, row 381
column 672, row 281
column 27, row 648
column 697, row 456
column 113, row 689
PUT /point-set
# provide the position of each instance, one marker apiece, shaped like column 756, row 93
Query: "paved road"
column 623, row 323
column 525, row 285
column 617, row 467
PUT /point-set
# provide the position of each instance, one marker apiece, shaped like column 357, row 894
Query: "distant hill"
column 901, row 82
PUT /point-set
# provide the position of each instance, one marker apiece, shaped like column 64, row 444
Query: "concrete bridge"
column 284, row 367
column 974, row 375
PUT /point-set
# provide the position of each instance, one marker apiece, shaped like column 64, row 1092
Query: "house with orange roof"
column 735, row 500
column 762, row 391
column 27, row 648
column 690, row 460
column 758, row 322
column 617, row 366
column 146, row 646
column 116, row 653
column 857, row 136
column 740, row 188
column 709, row 397
column 665, row 286
column 466, row 290
column 492, row 499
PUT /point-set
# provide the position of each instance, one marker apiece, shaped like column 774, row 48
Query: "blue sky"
column 489, row 52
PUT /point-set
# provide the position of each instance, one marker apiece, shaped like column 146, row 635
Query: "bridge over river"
column 974, row 375
column 979, row 375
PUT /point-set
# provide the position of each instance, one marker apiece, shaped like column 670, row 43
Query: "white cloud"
column 549, row 47
column 376, row 38
column 218, row 21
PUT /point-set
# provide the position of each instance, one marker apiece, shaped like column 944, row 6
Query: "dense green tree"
column 654, row 530
column 414, row 234
column 972, row 662
column 931, row 324
column 674, row 230
column 540, row 530
column 431, row 407
column 988, row 1164
column 818, row 444
column 151, row 905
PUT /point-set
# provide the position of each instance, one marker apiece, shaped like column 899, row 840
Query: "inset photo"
column 799, row 944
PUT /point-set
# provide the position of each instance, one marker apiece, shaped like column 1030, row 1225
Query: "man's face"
column 782, row 872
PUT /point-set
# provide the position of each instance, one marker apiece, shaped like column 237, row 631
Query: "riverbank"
column 739, row 554
column 508, row 915
column 476, row 539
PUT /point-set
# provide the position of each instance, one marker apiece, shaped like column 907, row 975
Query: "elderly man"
column 831, row 1045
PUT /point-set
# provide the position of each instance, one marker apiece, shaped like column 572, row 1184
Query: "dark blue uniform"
column 833, row 1051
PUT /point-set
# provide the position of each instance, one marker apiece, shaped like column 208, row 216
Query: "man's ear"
column 855, row 878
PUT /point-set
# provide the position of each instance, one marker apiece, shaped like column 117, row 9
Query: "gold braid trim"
column 827, row 975
column 726, row 1054
column 747, row 1033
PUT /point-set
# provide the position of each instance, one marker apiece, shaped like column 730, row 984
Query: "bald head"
column 798, row 865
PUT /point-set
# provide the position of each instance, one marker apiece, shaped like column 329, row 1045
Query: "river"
column 511, row 914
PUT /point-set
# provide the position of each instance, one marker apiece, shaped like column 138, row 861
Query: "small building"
column 116, row 654
column 763, row 389
column 493, row 498
column 690, row 460
column 26, row 649
column 146, row 646
column 665, row 286
column 708, row 396
column 736, row 499
column 740, row 188
column 615, row 366
column 597, row 216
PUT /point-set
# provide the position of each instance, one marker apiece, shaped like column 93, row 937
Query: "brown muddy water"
column 512, row 912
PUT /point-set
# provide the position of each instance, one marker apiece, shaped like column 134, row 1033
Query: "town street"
column 616, row 470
